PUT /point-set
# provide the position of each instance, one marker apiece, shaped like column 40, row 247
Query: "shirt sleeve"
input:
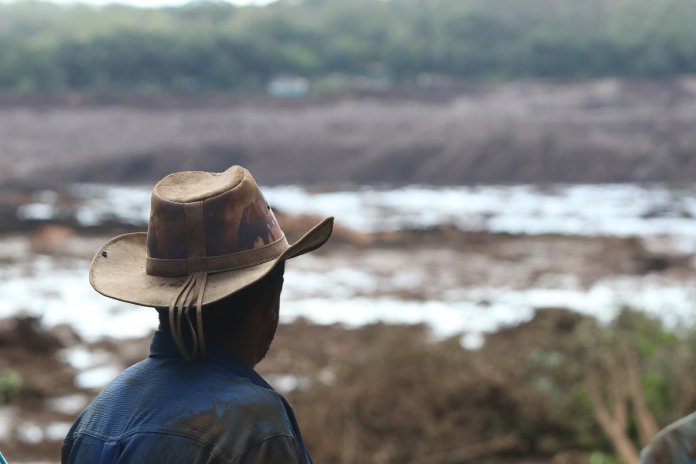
column 281, row 448
column 675, row 444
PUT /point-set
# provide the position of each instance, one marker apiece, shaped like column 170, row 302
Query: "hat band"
column 221, row 263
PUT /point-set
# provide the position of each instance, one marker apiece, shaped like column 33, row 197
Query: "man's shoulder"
column 197, row 386
column 225, row 401
column 183, row 397
column 226, row 412
column 206, row 405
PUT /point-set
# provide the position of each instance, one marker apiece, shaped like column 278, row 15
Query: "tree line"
column 213, row 46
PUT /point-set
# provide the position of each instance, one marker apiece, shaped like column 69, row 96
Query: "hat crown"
column 210, row 235
column 201, row 221
column 190, row 186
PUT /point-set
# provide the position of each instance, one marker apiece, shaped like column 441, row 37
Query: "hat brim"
column 118, row 270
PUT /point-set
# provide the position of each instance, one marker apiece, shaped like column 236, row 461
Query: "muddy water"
column 509, row 250
column 583, row 247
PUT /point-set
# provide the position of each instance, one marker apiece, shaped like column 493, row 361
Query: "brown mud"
column 380, row 393
column 526, row 132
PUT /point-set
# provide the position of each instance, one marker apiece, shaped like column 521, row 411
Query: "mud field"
column 50, row 369
column 534, row 132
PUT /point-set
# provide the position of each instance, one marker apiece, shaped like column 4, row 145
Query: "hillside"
column 527, row 132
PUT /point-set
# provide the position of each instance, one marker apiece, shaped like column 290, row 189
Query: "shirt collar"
column 163, row 346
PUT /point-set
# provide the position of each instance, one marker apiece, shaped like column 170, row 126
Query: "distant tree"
column 213, row 45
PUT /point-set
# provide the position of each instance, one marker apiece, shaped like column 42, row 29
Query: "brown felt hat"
column 210, row 235
column 218, row 223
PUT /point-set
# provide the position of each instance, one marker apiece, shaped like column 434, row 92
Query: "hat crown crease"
column 192, row 186
column 195, row 230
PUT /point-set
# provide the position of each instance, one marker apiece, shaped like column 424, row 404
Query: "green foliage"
column 216, row 46
column 601, row 458
column 11, row 382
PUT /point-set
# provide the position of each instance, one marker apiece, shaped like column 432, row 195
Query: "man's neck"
column 243, row 351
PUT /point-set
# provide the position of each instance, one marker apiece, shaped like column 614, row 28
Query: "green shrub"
column 11, row 382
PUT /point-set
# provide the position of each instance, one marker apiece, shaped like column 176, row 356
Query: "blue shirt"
column 166, row 410
column 675, row 444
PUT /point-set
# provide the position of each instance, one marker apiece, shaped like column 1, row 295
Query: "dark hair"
column 222, row 318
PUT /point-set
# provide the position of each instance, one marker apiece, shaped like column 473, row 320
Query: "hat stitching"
column 195, row 229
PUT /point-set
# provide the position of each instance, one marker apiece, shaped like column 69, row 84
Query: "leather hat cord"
column 192, row 290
